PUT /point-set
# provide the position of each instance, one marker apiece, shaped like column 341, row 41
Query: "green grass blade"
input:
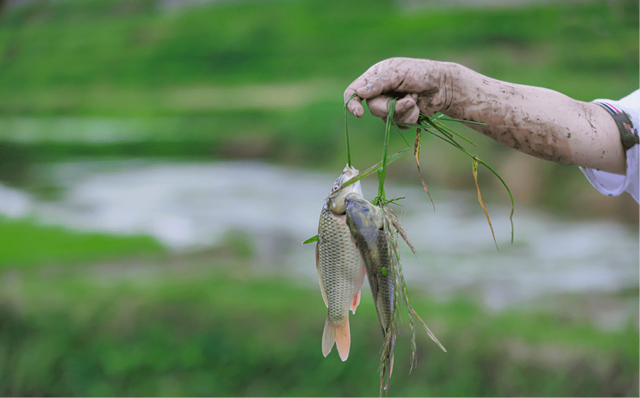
column 401, row 135
column 443, row 128
column 416, row 156
column 474, row 167
column 390, row 159
column 346, row 129
column 508, row 190
column 311, row 240
column 446, row 134
column 446, row 118
column 382, row 173
column 429, row 332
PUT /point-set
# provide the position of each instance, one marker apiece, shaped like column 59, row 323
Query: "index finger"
column 360, row 86
column 385, row 76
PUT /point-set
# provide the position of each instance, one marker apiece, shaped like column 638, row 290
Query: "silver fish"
column 340, row 267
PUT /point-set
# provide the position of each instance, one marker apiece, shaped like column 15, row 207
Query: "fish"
column 340, row 267
column 366, row 224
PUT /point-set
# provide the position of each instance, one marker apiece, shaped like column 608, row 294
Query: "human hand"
column 420, row 84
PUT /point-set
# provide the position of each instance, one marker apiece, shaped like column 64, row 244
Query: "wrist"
column 628, row 134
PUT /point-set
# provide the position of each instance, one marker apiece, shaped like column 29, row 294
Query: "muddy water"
column 193, row 206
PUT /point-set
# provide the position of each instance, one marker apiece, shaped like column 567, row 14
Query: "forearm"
column 537, row 121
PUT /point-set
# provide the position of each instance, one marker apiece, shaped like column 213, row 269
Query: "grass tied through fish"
column 433, row 125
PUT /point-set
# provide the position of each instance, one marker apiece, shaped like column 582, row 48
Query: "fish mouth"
column 336, row 198
column 347, row 174
column 349, row 171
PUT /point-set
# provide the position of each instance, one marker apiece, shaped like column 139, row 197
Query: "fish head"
column 336, row 200
column 366, row 213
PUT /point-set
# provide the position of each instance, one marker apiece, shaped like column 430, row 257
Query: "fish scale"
column 342, row 263
column 385, row 286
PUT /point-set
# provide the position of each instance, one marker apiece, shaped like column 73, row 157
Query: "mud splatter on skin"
column 537, row 121
column 505, row 109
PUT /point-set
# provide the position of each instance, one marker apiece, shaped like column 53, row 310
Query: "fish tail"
column 328, row 337
column 356, row 301
column 343, row 339
column 338, row 334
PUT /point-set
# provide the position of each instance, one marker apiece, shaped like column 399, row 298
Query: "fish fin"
column 358, row 295
column 328, row 337
column 356, row 301
column 343, row 339
column 324, row 293
column 360, row 278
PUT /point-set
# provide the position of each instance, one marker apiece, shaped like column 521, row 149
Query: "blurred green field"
column 129, row 59
column 194, row 329
column 131, row 44
column 26, row 244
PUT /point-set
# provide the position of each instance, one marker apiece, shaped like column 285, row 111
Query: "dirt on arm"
column 537, row 121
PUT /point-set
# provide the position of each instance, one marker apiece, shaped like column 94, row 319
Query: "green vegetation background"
column 99, row 315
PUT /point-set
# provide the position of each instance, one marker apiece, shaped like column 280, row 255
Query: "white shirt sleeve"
column 615, row 184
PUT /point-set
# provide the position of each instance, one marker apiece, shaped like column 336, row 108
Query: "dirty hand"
column 420, row 84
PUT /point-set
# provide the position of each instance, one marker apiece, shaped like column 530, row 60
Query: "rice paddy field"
column 145, row 251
